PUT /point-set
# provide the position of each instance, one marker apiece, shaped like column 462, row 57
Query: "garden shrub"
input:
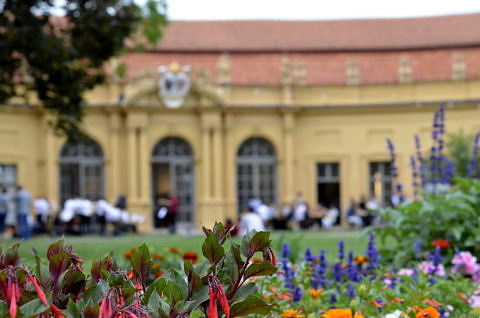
column 220, row 285
column 449, row 219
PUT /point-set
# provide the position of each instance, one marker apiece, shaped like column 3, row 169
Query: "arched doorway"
column 81, row 171
column 173, row 172
column 256, row 172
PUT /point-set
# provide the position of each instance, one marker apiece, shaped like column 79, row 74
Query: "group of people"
column 15, row 212
column 362, row 213
column 294, row 215
column 82, row 216
column 77, row 216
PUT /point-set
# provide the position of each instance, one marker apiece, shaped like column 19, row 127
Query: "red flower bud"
column 57, row 313
column 13, row 304
column 105, row 308
column 40, row 293
column 212, row 304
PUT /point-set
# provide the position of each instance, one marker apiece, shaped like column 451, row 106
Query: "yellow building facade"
column 230, row 139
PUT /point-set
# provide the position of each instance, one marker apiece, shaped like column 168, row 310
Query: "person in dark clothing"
column 3, row 208
column 23, row 201
column 121, row 202
column 172, row 213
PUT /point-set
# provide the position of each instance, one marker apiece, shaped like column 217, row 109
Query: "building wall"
column 312, row 125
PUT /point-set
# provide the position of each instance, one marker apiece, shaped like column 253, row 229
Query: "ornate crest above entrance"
column 174, row 84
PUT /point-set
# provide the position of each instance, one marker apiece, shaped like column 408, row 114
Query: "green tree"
column 459, row 148
column 60, row 58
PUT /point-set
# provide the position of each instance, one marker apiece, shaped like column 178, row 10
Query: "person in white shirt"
column 331, row 217
column 264, row 212
column 42, row 210
column 250, row 221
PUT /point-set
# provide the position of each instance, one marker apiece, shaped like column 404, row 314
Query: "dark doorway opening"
column 173, row 174
column 328, row 186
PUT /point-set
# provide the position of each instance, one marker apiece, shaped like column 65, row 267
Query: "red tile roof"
column 339, row 35
column 256, row 48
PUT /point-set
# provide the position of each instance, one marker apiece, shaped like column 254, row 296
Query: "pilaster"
column 288, row 127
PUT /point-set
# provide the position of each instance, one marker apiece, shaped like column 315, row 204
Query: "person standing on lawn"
column 23, row 202
column 3, row 208
column 173, row 212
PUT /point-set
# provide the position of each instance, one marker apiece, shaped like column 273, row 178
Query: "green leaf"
column 33, row 308
column 157, row 307
column 157, row 286
column 55, row 248
column 4, row 312
column 212, row 250
column 245, row 291
column 73, row 282
column 202, row 268
column 251, row 305
column 59, row 263
column 262, row 269
column 198, row 298
column 142, row 262
column 259, row 242
column 95, row 293
column 235, row 250
column 73, row 310
column 177, row 279
column 173, row 293
column 218, row 230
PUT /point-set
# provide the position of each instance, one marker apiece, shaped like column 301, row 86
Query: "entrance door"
column 81, row 171
column 256, row 172
column 328, row 186
column 173, row 173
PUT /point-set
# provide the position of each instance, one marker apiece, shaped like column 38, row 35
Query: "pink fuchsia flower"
column 405, row 272
column 464, row 261
column 429, row 268
column 474, row 301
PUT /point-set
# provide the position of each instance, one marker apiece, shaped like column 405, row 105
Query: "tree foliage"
column 60, row 58
column 459, row 146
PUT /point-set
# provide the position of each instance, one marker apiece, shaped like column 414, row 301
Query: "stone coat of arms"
column 174, row 84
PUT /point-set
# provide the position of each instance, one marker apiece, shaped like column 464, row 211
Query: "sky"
column 315, row 9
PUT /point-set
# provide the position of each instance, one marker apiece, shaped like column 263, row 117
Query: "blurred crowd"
column 20, row 216
column 299, row 215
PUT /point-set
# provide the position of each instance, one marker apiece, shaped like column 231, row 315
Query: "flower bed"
column 240, row 281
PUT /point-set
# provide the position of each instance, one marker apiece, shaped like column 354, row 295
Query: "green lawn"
column 95, row 247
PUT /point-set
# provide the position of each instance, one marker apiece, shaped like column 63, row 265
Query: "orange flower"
column 441, row 243
column 159, row 274
column 157, row 256
column 129, row 254
column 429, row 312
column 174, row 250
column 377, row 304
column 338, row 313
column 397, row 300
column 361, row 259
column 156, row 266
column 273, row 291
column 257, row 260
column 315, row 293
column 462, row 297
column 432, row 303
column 191, row 257
column 292, row 313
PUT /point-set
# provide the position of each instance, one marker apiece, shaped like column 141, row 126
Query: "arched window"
column 173, row 172
column 81, row 171
column 256, row 172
